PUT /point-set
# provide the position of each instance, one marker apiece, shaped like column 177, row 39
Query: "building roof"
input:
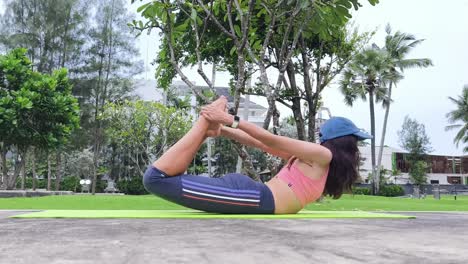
column 183, row 88
column 387, row 149
column 226, row 91
column 367, row 149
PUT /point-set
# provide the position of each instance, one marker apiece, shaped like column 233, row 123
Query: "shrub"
column 391, row 190
column 361, row 190
column 71, row 183
column 40, row 183
column 132, row 186
column 100, row 186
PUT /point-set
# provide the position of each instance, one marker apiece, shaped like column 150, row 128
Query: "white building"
column 442, row 170
column 147, row 90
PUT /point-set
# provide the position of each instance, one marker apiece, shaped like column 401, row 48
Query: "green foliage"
column 132, row 186
column 139, row 132
column 197, row 169
column 52, row 31
column 363, row 76
column 458, row 118
column 391, row 190
column 360, row 191
column 259, row 159
column 70, row 183
column 413, row 138
column 418, row 172
column 35, row 109
column 40, row 183
column 226, row 156
column 325, row 21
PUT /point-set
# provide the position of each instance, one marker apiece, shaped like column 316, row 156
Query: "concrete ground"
column 431, row 238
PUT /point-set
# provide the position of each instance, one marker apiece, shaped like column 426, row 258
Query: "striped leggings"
column 232, row 194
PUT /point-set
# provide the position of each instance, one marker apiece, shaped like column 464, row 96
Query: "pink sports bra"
column 306, row 189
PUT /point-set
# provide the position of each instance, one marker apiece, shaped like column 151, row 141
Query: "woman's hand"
column 214, row 129
column 214, row 113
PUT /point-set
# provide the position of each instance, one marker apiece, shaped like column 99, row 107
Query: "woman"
column 312, row 170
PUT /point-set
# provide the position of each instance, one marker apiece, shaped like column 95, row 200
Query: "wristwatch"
column 235, row 124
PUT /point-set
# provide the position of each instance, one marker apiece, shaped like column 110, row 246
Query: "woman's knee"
column 151, row 177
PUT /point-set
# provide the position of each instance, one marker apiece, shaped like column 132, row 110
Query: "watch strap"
column 235, row 124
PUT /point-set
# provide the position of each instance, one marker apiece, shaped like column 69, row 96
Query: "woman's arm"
column 306, row 151
column 245, row 139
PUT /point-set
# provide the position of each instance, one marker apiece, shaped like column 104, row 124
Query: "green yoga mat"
column 190, row 214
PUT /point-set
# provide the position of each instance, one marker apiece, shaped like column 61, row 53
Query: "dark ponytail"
column 343, row 170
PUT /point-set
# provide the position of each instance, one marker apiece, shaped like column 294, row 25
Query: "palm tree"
column 459, row 118
column 397, row 47
column 364, row 77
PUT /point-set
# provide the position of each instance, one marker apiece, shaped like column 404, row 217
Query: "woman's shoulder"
column 323, row 161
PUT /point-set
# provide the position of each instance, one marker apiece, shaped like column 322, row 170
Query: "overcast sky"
column 423, row 94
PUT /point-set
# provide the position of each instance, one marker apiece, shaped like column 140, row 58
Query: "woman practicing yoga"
column 312, row 170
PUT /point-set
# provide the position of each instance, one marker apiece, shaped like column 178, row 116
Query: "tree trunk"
column 49, row 172
column 247, row 162
column 272, row 114
column 208, row 140
column 372, row 120
column 248, row 168
column 58, row 170
column 311, row 128
column 11, row 181
column 3, row 165
column 296, row 103
column 103, row 99
column 95, row 168
column 298, row 119
column 384, row 130
column 97, row 130
column 23, row 171
column 63, row 58
column 34, row 179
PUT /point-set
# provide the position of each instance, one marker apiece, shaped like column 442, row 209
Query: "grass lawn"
column 378, row 203
column 150, row 202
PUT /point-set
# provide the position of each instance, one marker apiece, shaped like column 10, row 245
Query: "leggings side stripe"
column 218, row 201
column 222, row 197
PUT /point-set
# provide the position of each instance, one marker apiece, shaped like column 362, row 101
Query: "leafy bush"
column 40, row 183
column 361, row 190
column 71, row 183
column 133, row 186
column 391, row 190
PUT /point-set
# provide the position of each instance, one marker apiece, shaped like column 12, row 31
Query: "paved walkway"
column 431, row 238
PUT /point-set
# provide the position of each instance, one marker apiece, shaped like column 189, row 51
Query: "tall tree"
column 364, row 77
column 413, row 138
column 139, row 132
column 108, row 71
column 267, row 35
column 53, row 31
column 397, row 47
column 458, row 118
column 35, row 110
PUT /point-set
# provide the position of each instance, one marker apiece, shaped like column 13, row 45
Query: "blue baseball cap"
column 338, row 127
